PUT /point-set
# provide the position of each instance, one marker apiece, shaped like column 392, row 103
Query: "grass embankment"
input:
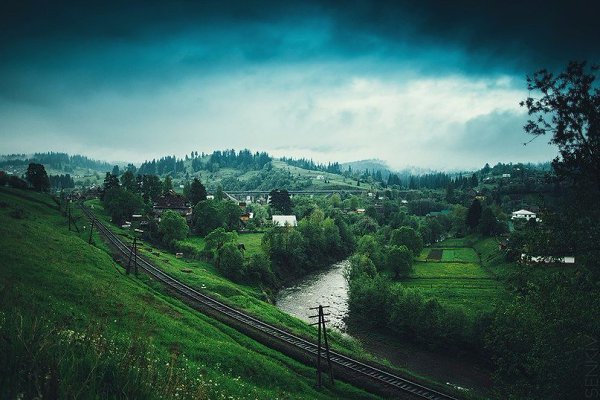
column 463, row 273
column 73, row 325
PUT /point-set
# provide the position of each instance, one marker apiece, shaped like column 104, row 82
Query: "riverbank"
column 329, row 287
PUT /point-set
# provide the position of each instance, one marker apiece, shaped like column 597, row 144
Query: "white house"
column 548, row 259
column 282, row 220
column 523, row 214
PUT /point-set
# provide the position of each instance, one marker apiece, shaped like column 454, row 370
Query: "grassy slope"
column 205, row 278
column 73, row 286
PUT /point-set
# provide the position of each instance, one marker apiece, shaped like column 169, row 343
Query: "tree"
column 408, row 237
column 258, row 269
column 116, row 171
column 128, row 181
column 488, row 224
column 474, row 182
column 399, row 260
column 569, row 110
column 450, row 193
column 230, row 261
column 359, row 265
column 197, row 192
column 167, row 184
column 151, row 187
column 229, row 214
column 219, row 195
column 3, row 178
column 110, row 181
column 336, row 200
column 368, row 246
column 473, row 214
column 37, row 177
column 121, row 204
column 172, row 227
column 280, row 201
column 286, row 248
column 217, row 238
column 205, row 217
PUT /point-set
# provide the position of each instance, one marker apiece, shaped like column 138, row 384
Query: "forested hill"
column 246, row 170
column 56, row 161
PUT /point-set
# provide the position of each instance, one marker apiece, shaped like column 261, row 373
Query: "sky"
column 432, row 84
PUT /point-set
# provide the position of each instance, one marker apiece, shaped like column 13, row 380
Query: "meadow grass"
column 465, row 254
column 459, row 279
column 448, row 270
column 252, row 242
column 72, row 324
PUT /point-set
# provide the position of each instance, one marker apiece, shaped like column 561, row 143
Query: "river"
column 328, row 287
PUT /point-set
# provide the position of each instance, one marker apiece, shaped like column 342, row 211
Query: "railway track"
column 339, row 360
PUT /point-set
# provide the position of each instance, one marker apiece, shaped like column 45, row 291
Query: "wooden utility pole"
column 322, row 332
column 132, row 256
column 91, row 230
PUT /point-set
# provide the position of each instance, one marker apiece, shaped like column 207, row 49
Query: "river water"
column 329, row 288
column 326, row 288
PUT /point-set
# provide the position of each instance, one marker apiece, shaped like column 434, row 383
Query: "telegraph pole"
column 91, row 230
column 322, row 332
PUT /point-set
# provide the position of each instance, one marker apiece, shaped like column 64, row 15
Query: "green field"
column 449, row 270
column 456, row 278
column 465, row 254
column 73, row 325
column 252, row 242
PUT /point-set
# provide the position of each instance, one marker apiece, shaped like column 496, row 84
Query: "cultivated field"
column 452, row 273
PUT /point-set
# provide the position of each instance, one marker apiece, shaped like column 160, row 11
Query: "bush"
column 172, row 227
column 258, row 269
column 188, row 249
column 16, row 182
column 230, row 262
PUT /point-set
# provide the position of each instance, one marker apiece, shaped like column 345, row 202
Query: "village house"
column 282, row 220
column 174, row 202
column 523, row 214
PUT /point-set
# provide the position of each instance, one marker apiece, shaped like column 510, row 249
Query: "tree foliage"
column 569, row 109
column 407, row 236
column 121, row 204
column 172, row 227
column 197, row 192
column 280, row 201
column 37, row 177
column 474, row 214
column 399, row 260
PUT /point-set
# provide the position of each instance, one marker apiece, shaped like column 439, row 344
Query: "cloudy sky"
column 423, row 83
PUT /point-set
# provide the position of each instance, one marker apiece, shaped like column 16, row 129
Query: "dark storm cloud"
column 519, row 35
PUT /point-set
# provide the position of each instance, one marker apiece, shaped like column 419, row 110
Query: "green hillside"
column 73, row 325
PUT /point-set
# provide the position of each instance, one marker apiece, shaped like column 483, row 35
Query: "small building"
column 320, row 177
column 245, row 217
column 523, row 214
column 174, row 202
column 282, row 220
column 210, row 197
column 547, row 259
column 506, row 175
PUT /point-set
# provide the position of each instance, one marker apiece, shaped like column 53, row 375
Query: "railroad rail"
column 339, row 360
